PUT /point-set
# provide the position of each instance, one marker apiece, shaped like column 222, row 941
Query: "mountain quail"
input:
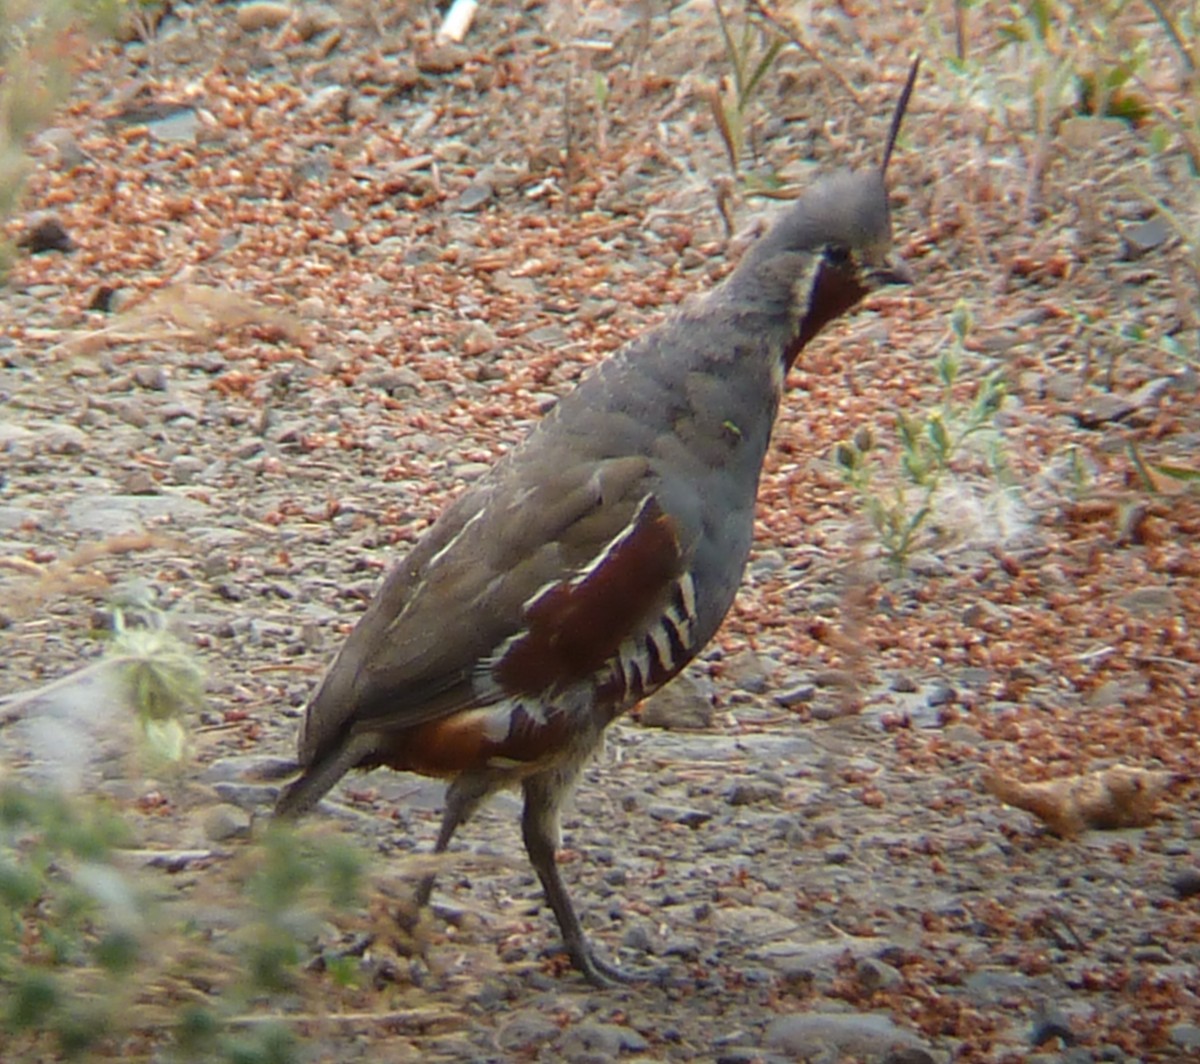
column 596, row 559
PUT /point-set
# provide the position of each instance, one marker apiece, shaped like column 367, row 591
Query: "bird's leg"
column 540, row 830
column 462, row 799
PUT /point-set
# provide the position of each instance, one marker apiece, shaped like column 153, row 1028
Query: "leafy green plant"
column 1081, row 42
column 1095, row 59
column 159, row 674
column 69, row 923
column 1033, row 29
column 76, row 914
column 290, row 868
column 92, row 951
column 929, row 446
column 294, row 881
column 146, row 667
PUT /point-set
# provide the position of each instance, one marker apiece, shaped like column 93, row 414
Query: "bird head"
column 827, row 251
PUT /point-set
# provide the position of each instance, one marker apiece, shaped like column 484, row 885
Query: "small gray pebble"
column 224, row 822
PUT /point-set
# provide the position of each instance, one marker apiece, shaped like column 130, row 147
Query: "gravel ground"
column 325, row 271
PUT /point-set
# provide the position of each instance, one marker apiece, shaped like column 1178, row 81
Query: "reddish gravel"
column 347, row 267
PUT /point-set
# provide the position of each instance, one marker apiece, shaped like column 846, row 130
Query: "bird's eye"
column 836, row 255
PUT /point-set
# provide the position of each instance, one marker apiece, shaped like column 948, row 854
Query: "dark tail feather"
column 303, row 794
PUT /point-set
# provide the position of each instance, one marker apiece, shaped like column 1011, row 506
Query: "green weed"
column 91, row 951
column 899, row 509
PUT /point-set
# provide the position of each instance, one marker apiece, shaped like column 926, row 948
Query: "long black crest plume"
column 898, row 116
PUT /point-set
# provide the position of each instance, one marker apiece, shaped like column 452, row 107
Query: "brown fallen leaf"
column 185, row 312
column 1117, row 797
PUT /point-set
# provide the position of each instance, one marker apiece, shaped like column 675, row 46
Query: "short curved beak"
column 892, row 270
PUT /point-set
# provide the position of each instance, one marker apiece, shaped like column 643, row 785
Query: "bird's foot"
column 604, row 975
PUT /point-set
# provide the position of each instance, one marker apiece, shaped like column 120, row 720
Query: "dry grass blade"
column 712, row 94
column 1172, row 31
column 809, row 50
